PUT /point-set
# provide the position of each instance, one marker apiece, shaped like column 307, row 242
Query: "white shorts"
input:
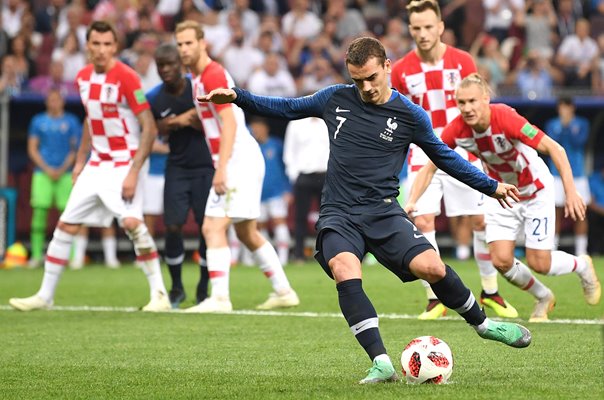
column 244, row 182
column 582, row 184
column 535, row 218
column 153, row 194
column 96, row 197
column 460, row 199
column 275, row 207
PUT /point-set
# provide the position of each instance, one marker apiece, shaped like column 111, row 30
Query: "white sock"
column 80, row 242
column 219, row 265
column 482, row 328
column 57, row 258
column 564, row 263
column 282, row 239
column 462, row 252
column 521, row 276
column 431, row 236
column 581, row 245
column 267, row 259
column 383, row 358
column 110, row 249
column 148, row 258
column 488, row 273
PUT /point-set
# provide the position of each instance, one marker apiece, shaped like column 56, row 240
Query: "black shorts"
column 391, row 237
column 186, row 189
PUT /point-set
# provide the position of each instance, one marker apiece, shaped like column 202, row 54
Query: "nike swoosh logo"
column 358, row 328
column 541, row 239
column 338, row 109
column 165, row 113
column 415, row 235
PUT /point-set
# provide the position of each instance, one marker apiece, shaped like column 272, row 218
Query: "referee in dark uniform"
column 370, row 128
column 189, row 169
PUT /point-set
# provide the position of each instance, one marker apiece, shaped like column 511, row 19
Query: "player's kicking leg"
column 455, row 295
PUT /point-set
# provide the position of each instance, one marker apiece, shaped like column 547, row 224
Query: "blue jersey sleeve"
column 76, row 130
column 152, row 98
column 447, row 159
column 282, row 107
column 34, row 126
column 583, row 135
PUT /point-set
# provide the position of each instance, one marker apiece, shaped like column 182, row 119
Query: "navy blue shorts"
column 183, row 190
column 391, row 237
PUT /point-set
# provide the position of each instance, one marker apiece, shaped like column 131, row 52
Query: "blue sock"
column 452, row 292
column 361, row 316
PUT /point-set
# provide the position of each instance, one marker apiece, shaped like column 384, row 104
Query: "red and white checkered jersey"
column 433, row 88
column 112, row 100
column 214, row 76
column 507, row 148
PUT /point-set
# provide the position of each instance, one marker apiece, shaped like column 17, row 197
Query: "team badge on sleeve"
column 529, row 130
column 139, row 95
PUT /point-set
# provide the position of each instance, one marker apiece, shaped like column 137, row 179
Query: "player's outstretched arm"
column 218, row 96
column 420, row 184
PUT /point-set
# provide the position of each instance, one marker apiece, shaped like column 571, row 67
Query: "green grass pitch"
column 110, row 350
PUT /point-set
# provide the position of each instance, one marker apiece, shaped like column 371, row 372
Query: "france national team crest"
column 391, row 126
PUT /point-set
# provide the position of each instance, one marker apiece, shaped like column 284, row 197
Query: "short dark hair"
column 102, row 27
column 567, row 100
column 166, row 50
column 362, row 49
column 417, row 6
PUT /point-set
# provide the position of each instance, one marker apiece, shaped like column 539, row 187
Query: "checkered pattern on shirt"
column 214, row 76
column 433, row 88
column 112, row 100
column 505, row 147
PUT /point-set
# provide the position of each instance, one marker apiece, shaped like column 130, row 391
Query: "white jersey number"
column 342, row 120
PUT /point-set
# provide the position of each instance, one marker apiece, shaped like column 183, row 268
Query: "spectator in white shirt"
column 577, row 56
column 272, row 79
column 305, row 154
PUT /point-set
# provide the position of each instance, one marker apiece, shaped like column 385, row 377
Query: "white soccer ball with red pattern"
column 427, row 359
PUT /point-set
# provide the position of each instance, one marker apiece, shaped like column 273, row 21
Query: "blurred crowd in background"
column 530, row 48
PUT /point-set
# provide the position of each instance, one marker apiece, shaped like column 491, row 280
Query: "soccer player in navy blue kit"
column 189, row 168
column 370, row 128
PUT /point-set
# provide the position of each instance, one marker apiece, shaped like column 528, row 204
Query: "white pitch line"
column 307, row 314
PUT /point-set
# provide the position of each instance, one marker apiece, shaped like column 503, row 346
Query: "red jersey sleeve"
column 517, row 127
column 449, row 133
column 467, row 64
column 215, row 78
column 396, row 80
column 406, row 65
column 130, row 86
